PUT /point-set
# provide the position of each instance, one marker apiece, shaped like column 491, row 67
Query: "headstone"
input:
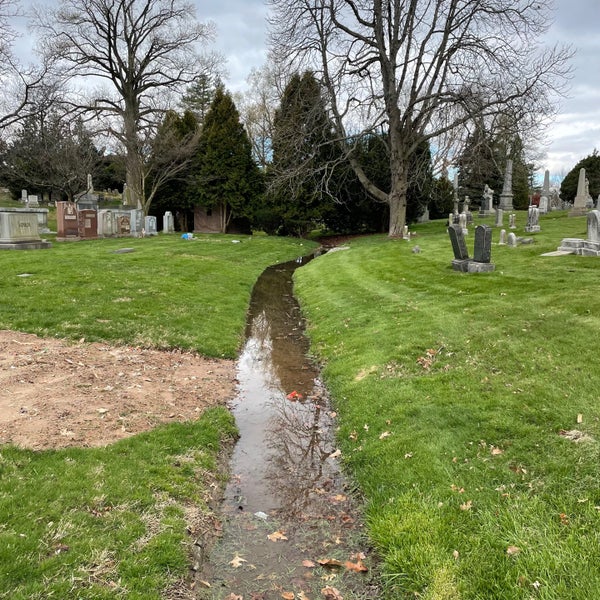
column 461, row 261
column 424, row 218
column 533, row 217
column 87, row 224
column 24, row 196
column 499, row 217
column 579, row 205
column 545, row 198
column 512, row 221
column 405, row 232
column 452, row 218
column 502, row 241
column 123, row 224
column 19, row 230
column 483, row 244
column 106, row 223
column 458, row 242
column 462, row 222
column 506, row 197
column 487, row 202
column 512, row 240
column 32, row 201
column 66, row 220
column 150, row 225
column 168, row 222
column 593, row 226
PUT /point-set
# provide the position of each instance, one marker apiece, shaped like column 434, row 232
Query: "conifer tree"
column 225, row 176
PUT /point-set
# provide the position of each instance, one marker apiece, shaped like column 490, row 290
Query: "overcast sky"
column 241, row 37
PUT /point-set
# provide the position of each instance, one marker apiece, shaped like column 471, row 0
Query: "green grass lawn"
column 110, row 523
column 452, row 392
column 167, row 293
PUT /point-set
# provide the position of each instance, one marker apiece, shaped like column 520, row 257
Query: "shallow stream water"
column 290, row 526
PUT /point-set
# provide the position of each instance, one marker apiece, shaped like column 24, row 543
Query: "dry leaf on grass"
column 309, row 564
column 357, row 567
column 330, row 562
column 331, row 593
column 288, row 595
column 237, row 561
column 513, row 550
column 277, row 536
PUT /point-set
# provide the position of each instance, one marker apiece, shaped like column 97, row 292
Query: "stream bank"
column 290, row 525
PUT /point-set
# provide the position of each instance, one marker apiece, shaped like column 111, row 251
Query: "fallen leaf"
column 338, row 498
column 564, row 519
column 288, row 596
column 335, row 454
column 237, row 561
column 205, row 583
column 496, row 451
column 579, row 418
column 331, row 593
column 329, row 562
column 467, row 505
column 384, row 435
column 309, row 564
column 513, row 550
column 302, row 596
column 277, row 536
column 357, row 567
column 328, row 577
column 455, row 554
column 294, row 395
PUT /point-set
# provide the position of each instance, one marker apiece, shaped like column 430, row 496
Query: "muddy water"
column 287, row 505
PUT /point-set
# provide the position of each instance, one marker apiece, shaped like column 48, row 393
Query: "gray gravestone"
column 533, row 217
column 457, row 239
column 512, row 240
column 150, row 225
column 483, row 244
column 502, row 241
column 168, row 222
column 506, row 197
column 579, row 204
column 512, row 221
column 499, row 217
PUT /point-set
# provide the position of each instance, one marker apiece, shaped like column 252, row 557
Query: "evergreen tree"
column 300, row 189
column 591, row 164
column 224, row 173
column 200, row 94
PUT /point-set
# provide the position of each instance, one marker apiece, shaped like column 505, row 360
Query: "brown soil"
column 55, row 394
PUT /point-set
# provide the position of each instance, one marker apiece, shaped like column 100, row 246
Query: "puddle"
column 290, row 526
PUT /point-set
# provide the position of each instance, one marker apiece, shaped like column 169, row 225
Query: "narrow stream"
column 290, row 528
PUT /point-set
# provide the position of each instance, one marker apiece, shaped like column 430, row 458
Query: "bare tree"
column 421, row 70
column 19, row 82
column 140, row 51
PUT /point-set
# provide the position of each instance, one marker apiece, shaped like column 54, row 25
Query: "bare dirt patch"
column 55, row 393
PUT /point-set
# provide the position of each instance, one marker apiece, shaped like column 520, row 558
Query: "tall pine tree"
column 225, row 177
column 303, row 150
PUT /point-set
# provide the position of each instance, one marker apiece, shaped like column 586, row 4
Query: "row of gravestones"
column 74, row 223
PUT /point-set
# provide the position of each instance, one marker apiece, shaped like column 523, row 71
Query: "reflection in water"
column 282, row 450
column 284, row 480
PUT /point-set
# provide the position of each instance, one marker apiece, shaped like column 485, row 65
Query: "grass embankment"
column 167, row 293
column 453, row 391
column 111, row 522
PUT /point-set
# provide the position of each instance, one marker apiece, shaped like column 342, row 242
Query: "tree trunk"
column 397, row 199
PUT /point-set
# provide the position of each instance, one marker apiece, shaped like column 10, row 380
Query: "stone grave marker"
column 499, row 217
column 579, row 205
column 150, row 225
column 483, row 244
column 533, row 217
column 19, row 230
column 168, row 222
column 87, row 224
column 66, row 220
column 502, row 241
column 512, row 240
column 506, row 197
column 483, row 241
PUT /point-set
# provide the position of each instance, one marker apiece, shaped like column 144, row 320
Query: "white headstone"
column 512, row 240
